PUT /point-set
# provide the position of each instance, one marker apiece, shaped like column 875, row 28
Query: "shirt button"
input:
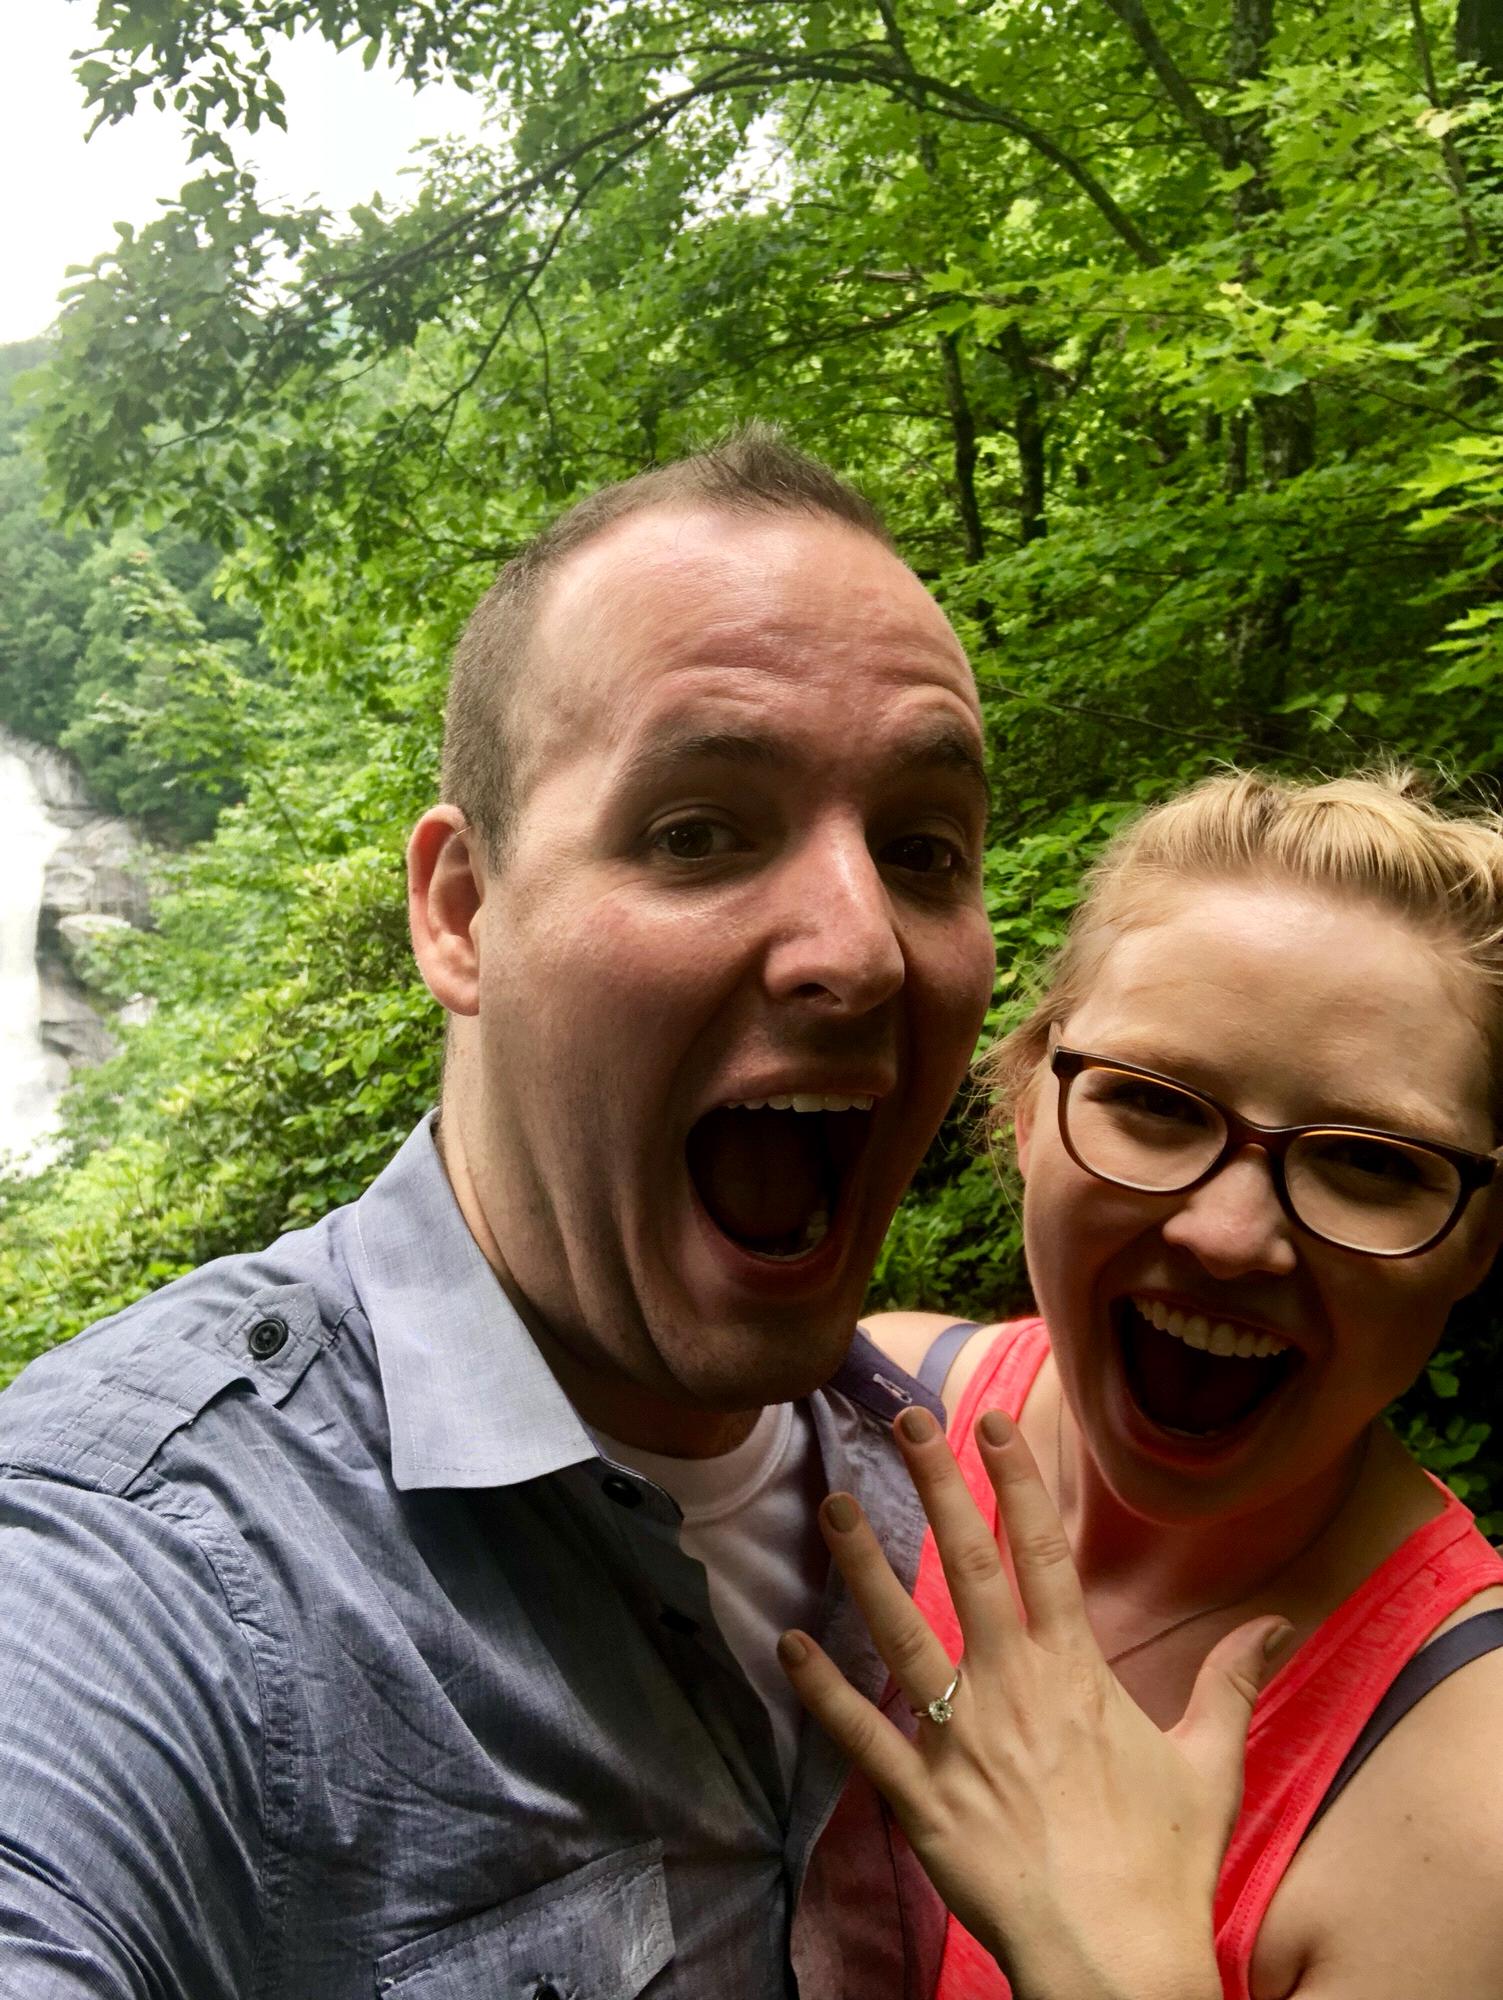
column 266, row 1338
column 615, row 1486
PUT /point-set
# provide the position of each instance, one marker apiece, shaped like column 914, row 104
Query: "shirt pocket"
column 600, row 1933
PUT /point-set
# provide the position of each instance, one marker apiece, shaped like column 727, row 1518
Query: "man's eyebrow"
column 946, row 748
column 698, row 746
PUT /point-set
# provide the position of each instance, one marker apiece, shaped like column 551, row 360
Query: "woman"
column 1255, row 1113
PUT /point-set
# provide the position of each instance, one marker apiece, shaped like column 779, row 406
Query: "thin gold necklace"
column 1226, row 1603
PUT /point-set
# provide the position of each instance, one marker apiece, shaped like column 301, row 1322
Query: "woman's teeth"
column 1212, row 1336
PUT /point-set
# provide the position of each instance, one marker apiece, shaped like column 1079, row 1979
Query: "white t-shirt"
column 749, row 1517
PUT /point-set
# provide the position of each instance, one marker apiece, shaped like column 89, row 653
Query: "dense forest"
column 1166, row 332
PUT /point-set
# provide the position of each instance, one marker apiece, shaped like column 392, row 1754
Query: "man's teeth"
column 801, row 1101
column 1213, row 1336
column 816, row 1229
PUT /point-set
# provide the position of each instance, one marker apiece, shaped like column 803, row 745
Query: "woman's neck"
column 1165, row 1572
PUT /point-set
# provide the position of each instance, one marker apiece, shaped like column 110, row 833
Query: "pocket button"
column 266, row 1338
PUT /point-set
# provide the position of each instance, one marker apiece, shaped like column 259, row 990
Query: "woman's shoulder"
column 906, row 1337
column 1400, row 1887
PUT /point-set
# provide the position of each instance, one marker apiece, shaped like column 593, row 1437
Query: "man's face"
column 745, row 868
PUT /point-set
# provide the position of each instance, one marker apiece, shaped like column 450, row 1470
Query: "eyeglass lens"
column 1364, row 1193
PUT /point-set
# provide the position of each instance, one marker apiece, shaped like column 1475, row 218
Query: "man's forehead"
column 682, row 584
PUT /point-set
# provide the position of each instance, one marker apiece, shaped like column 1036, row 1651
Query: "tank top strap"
column 1006, row 1373
column 1313, row 1711
column 1002, row 1380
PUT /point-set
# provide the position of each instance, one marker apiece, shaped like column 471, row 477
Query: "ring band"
column 943, row 1705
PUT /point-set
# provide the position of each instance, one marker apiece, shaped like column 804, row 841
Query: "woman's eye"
column 1150, row 1100
column 694, row 840
column 923, row 854
column 1372, row 1159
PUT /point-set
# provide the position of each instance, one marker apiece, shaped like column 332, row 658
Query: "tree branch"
column 1454, row 168
column 1214, row 130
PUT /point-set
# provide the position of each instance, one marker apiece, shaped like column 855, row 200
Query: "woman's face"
column 1290, row 1007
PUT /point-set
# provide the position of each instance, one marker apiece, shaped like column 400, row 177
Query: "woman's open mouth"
column 770, row 1172
column 1197, row 1377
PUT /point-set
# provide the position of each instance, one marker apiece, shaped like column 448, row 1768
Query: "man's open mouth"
column 1197, row 1376
column 769, row 1172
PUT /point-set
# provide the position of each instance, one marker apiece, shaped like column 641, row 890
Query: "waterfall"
column 30, row 1076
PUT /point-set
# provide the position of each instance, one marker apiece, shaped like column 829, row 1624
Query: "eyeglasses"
column 1382, row 1193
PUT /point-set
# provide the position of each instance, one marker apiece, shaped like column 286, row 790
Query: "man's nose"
column 834, row 936
column 1235, row 1224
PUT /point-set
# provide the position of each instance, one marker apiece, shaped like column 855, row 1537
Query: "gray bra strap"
column 943, row 1349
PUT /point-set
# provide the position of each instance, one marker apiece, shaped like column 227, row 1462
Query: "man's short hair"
column 751, row 471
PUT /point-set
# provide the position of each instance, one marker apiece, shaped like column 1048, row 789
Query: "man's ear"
column 445, row 888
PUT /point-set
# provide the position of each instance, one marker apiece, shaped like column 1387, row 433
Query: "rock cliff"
column 95, row 877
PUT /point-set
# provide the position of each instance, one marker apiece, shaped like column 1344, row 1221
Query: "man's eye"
column 924, row 854
column 694, row 840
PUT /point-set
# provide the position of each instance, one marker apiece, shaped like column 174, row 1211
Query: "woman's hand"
column 1076, row 1840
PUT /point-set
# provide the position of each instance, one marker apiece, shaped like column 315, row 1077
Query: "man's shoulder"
column 240, row 1335
column 879, row 1386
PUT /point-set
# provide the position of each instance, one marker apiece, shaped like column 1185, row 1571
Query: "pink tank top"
column 1307, row 1718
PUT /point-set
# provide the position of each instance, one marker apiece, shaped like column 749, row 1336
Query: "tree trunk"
column 963, row 432
column 1260, row 633
column 1236, row 454
column 1479, row 40
column 1251, row 36
column 1479, row 35
column 1027, row 435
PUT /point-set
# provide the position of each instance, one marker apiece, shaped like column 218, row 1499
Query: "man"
column 393, row 1612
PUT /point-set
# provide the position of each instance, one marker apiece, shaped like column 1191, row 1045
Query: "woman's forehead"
column 1292, row 991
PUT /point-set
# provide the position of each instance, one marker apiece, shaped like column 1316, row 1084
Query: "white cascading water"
column 30, row 1076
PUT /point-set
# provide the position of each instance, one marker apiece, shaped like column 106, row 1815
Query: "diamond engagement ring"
column 943, row 1705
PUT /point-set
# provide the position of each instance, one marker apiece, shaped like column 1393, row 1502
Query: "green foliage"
column 116, row 649
column 293, row 1043
column 158, row 708
column 43, row 593
column 1169, row 340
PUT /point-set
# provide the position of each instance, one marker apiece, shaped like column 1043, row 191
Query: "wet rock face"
column 94, row 871
column 94, row 879
column 70, row 1028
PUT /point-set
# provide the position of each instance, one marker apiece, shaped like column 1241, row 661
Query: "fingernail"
column 917, row 1425
column 791, row 1650
column 842, row 1513
column 996, row 1427
column 1277, row 1642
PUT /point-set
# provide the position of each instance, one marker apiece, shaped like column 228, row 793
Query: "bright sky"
column 349, row 132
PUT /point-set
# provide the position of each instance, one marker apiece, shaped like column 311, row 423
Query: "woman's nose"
column 1235, row 1223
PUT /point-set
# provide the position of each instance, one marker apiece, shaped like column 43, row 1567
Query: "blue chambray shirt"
column 335, row 1662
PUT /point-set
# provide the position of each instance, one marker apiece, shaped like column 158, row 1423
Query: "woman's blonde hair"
column 1375, row 836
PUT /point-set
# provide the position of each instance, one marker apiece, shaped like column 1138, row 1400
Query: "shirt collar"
column 469, row 1399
